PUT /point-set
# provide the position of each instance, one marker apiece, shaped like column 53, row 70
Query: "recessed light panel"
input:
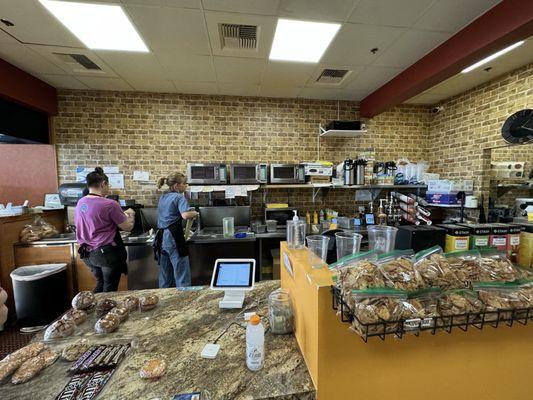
column 492, row 57
column 98, row 26
column 302, row 40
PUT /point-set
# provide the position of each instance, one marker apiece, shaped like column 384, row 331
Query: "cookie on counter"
column 148, row 302
column 104, row 306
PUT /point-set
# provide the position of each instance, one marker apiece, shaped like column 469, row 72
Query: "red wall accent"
column 27, row 90
column 506, row 23
column 29, row 171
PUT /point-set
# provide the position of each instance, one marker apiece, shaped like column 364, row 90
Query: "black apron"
column 176, row 230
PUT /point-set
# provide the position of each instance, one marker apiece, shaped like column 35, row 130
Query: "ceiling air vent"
column 332, row 76
column 235, row 36
column 77, row 60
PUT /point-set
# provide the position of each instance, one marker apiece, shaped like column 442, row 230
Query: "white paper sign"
column 241, row 191
column 111, row 169
column 196, row 189
column 230, row 192
column 116, row 181
column 82, row 172
column 141, row 176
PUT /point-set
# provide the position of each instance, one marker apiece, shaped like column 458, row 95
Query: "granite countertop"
column 177, row 330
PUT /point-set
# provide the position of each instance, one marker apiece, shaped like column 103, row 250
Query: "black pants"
column 106, row 265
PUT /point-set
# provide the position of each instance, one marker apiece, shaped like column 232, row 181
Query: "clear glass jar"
column 296, row 234
column 280, row 313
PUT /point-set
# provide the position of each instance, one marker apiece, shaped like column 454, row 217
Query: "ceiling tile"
column 452, row 15
column 187, row 68
column 354, row 41
column 279, row 91
column 287, row 73
column 266, row 26
column 387, row 12
column 48, row 53
column 62, row 81
column 370, row 79
column 168, row 3
column 26, row 59
column 34, row 24
column 132, row 65
column 410, row 47
column 240, row 70
column 5, row 38
column 324, row 94
column 196, row 87
column 177, row 30
column 330, row 10
column 152, row 85
column 262, row 7
column 99, row 83
column 233, row 89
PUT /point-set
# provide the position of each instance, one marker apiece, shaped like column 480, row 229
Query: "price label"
column 515, row 240
column 481, row 242
column 461, row 244
column 427, row 323
column 499, row 241
column 411, row 324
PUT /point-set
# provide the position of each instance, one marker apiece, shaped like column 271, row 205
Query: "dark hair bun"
column 99, row 170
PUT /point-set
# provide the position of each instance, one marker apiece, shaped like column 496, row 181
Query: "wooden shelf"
column 360, row 187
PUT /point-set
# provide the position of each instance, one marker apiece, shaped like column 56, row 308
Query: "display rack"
column 399, row 328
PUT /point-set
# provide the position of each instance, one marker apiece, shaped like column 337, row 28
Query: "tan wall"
column 160, row 133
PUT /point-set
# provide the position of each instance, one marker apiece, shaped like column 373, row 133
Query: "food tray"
column 414, row 326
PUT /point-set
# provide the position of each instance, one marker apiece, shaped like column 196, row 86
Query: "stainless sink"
column 61, row 237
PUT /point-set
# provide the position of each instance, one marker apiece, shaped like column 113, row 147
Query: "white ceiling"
column 461, row 82
column 186, row 57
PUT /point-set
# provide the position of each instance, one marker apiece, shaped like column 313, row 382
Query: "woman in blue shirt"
column 170, row 247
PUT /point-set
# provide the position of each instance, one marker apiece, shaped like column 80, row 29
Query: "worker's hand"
column 129, row 212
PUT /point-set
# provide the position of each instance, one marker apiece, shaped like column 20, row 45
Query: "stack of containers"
column 499, row 236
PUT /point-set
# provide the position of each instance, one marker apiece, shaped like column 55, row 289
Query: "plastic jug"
column 255, row 344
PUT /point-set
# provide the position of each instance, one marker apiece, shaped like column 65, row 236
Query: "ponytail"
column 171, row 180
column 161, row 182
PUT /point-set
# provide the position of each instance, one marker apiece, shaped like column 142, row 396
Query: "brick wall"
column 160, row 133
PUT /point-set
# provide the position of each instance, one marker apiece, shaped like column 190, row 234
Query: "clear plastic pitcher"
column 382, row 238
column 318, row 250
column 347, row 243
column 228, row 228
column 296, row 234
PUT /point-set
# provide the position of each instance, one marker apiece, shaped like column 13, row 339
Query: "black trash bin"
column 40, row 293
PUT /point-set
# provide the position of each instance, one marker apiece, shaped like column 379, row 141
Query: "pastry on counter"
column 148, row 302
column 107, row 324
column 131, row 303
column 104, row 307
column 14, row 360
column 78, row 316
column 84, row 301
column 121, row 312
column 154, row 368
column 74, row 351
column 28, row 369
column 60, row 329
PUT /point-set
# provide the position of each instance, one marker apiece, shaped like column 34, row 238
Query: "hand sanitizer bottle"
column 255, row 343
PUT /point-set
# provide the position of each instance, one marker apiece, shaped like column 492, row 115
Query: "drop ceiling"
column 186, row 55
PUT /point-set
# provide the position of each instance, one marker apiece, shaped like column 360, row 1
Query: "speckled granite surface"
column 177, row 330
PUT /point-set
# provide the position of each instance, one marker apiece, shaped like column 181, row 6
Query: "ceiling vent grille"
column 332, row 76
column 243, row 37
column 77, row 60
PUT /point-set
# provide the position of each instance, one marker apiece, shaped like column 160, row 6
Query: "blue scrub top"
column 169, row 210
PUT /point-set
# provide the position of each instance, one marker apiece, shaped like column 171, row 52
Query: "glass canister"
column 280, row 313
column 296, row 234
column 228, row 227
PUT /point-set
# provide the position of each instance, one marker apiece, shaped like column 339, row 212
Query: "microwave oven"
column 287, row 173
column 207, row 174
column 248, row 173
column 281, row 215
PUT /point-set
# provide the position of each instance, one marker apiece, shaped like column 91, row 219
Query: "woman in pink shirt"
column 98, row 220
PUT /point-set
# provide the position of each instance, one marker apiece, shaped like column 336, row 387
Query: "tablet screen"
column 234, row 274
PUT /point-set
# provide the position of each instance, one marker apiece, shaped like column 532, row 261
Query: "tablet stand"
column 232, row 299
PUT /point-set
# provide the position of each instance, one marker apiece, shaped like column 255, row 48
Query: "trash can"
column 40, row 293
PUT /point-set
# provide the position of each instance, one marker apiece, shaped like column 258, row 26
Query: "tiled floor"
column 11, row 339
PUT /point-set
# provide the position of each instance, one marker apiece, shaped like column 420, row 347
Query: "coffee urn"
column 349, row 172
column 360, row 165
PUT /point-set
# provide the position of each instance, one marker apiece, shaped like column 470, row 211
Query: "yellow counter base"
column 488, row 364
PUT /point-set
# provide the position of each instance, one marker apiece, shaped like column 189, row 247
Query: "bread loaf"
column 131, row 303
column 78, row 316
column 28, row 369
column 148, row 302
column 49, row 356
column 84, row 300
column 107, row 324
column 14, row 360
column 60, row 329
column 104, row 307
column 121, row 312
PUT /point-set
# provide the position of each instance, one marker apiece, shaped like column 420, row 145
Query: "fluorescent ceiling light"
column 302, row 40
column 98, row 26
column 492, row 57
